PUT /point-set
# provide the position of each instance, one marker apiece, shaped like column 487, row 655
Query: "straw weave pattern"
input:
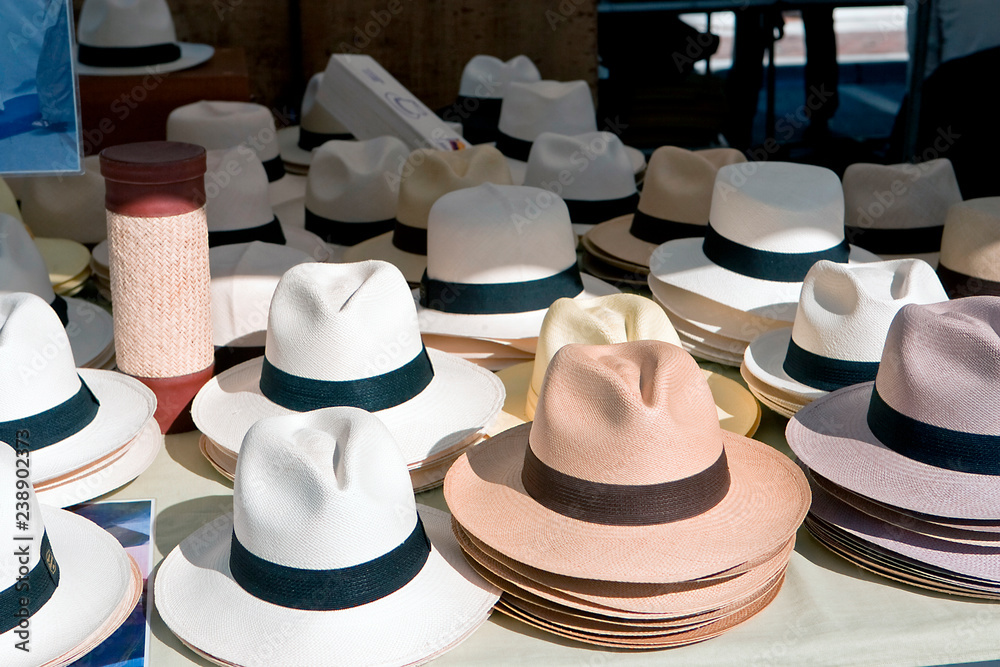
column 160, row 284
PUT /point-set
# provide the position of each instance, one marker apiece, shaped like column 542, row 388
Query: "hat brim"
column 64, row 259
column 288, row 145
column 729, row 347
column 765, row 358
column 831, row 436
column 461, row 402
column 380, row 247
column 613, row 237
column 292, row 213
column 91, row 332
column 191, row 56
column 635, row 156
column 289, row 186
column 484, row 491
column 203, row 605
column 500, row 325
column 738, row 411
column 683, row 264
column 99, row 586
column 136, row 459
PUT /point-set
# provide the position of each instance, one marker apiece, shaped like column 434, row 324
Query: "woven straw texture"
column 160, row 285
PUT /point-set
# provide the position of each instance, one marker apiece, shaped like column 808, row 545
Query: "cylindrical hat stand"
column 158, row 242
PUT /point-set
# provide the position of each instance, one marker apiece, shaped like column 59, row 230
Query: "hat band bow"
column 783, row 267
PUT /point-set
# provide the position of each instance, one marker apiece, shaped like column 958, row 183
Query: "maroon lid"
column 154, row 178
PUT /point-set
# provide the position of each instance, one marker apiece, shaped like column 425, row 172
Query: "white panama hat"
column 298, row 143
column 81, row 584
column 90, row 329
column 494, row 274
column 327, row 545
column 123, row 37
column 346, row 334
column 531, row 108
column 840, row 328
column 480, row 94
column 592, row 172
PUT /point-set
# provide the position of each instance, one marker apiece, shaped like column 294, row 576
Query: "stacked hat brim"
column 634, row 587
column 91, row 334
column 611, row 269
column 68, row 263
column 766, row 377
column 192, row 55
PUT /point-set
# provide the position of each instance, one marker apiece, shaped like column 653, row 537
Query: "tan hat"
column 970, row 249
column 298, row 142
column 70, row 207
column 898, row 210
column 480, row 94
column 617, row 318
column 625, row 475
column 675, row 201
column 427, row 175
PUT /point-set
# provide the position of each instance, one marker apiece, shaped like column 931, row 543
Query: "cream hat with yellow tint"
column 618, row 318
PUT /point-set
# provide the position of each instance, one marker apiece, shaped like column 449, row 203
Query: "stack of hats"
column 561, row 107
column 492, row 276
column 327, row 545
column 840, row 327
column 616, row 318
column 89, row 431
column 769, row 223
column 905, row 468
column 481, row 91
column 898, row 210
column 67, row 584
column 347, row 335
column 674, row 204
column 22, row 269
column 427, row 175
column 67, row 262
column 970, row 249
column 297, row 143
column 619, row 516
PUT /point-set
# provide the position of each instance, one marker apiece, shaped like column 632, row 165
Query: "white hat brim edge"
column 95, row 577
column 288, row 143
column 202, row 604
column 764, row 359
column 191, row 56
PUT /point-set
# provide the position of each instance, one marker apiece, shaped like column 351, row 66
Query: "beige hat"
column 970, row 249
column 480, row 94
column 70, row 207
column 297, row 143
column 898, row 210
column 625, row 475
column 427, row 175
column 675, row 202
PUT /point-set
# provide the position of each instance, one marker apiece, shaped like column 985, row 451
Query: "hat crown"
column 941, row 364
column 778, row 206
column 36, row 361
column 315, row 117
column 236, row 190
column 8, row 202
column 9, row 511
column 225, row 124
column 342, row 322
column 634, row 413
column 488, row 76
column 564, row 107
column 499, row 234
column 356, row 181
column 67, row 206
column 606, row 320
column 124, row 23
column 22, row 268
column 244, row 276
column 326, row 489
column 678, row 184
column 589, row 166
column 971, row 238
column 899, row 196
column 428, row 174
column 845, row 309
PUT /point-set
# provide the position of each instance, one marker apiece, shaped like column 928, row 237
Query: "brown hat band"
column 625, row 504
column 958, row 284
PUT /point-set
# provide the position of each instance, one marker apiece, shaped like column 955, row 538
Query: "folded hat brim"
column 91, row 331
column 289, row 186
column 203, row 605
column 485, row 494
column 191, row 56
column 765, row 358
column 682, row 263
column 831, row 436
column 614, row 238
column 135, row 460
column 126, row 405
column 518, row 168
column 288, row 144
column 380, row 247
column 462, row 401
column 99, row 585
column 501, row 325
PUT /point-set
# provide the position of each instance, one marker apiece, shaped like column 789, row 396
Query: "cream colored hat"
column 317, row 127
column 591, row 172
column 70, row 207
column 129, row 37
column 970, row 249
column 484, row 81
column 674, row 204
column 898, row 210
column 427, row 175
column 494, row 274
column 8, row 202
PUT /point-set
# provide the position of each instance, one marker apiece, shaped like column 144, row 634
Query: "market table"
column 829, row 612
